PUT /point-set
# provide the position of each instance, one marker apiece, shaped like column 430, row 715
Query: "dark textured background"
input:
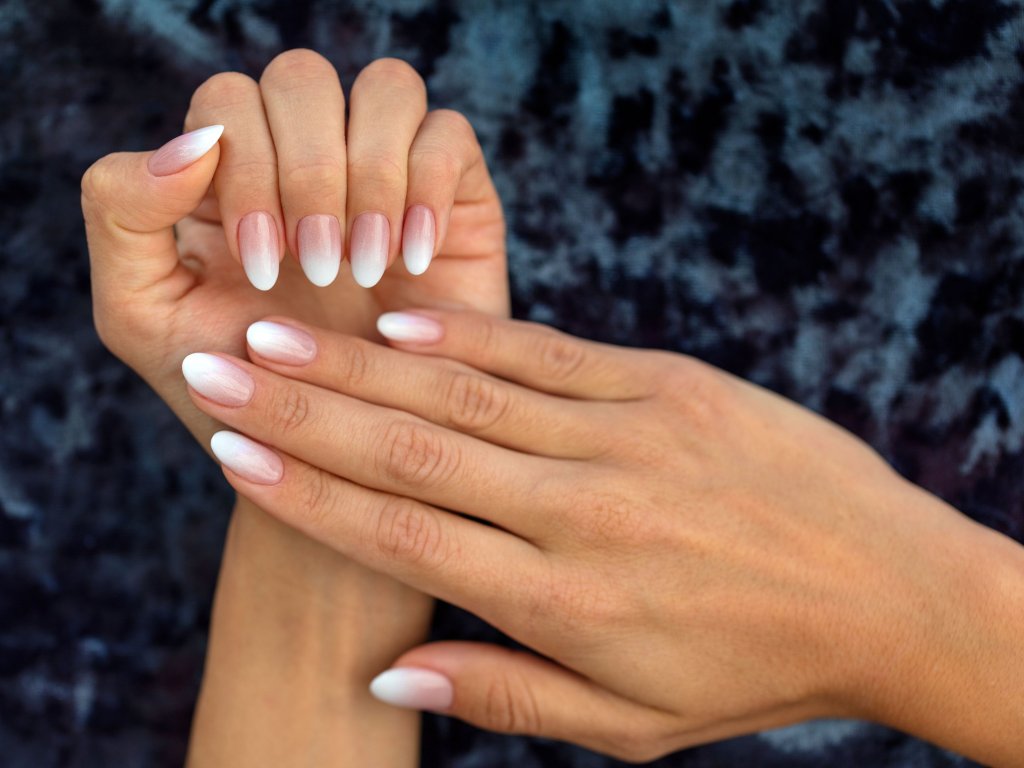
column 824, row 197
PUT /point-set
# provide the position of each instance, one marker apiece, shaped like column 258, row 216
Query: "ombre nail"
column 319, row 239
column 257, row 245
column 418, row 235
column 403, row 326
column 281, row 343
column 413, row 689
column 247, row 458
column 217, row 379
column 178, row 154
column 371, row 235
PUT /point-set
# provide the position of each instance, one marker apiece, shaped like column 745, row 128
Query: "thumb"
column 131, row 202
column 514, row 692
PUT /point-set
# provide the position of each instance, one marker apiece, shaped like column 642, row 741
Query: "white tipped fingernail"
column 258, row 247
column 418, row 235
column 319, row 239
column 247, row 458
column 281, row 343
column 413, row 689
column 371, row 236
column 178, row 154
column 218, row 379
column 404, row 326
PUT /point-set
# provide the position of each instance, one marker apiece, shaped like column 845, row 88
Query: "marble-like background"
column 823, row 196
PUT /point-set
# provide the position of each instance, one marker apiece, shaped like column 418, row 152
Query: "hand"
column 283, row 157
column 697, row 557
column 284, row 170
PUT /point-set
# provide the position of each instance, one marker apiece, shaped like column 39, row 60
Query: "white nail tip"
column 320, row 268
column 367, row 272
column 247, row 458
column 401, row 326
column 417, row 260
column 413, row 689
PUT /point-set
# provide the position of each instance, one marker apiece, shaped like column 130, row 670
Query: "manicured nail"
column 217, row 379
column 413, row 689
column 418, row 235
column 281, row 343
column 371, row 234
column 402, row 326
column 257, row 244
column 245, row 457
column 320, row 248
column 178, row 154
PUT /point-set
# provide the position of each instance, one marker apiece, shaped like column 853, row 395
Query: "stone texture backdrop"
column 822, row 196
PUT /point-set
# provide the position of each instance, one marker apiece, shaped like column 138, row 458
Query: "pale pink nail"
column 247, row 458
column 319, row 239
column 418, row 236
column 403, row 326
column 371, row 235
column 413, row 689
column 178, row 154
column 281, row 343
column 217, row 379
column 257, row 245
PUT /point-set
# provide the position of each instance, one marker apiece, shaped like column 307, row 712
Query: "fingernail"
column 281, row 343
column 217, row 379
column 257, row 244
column 320, row 248
column 178, row 154
column 418, row 235
column 402, row 326
column 413, row 689
column 247, row 458
column 371, row 234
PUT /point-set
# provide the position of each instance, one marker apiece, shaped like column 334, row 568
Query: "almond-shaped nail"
column 257, row 245
column 218, row 379
column 247, row 458
column 418, row 235
column 178, row 154
column 281, row 343
column 319, row 239
column 371, row 236
column 404, row 326
column 413, row 688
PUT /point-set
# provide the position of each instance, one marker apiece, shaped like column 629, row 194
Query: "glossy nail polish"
column 281, row 343
column 178, row 154
column 413, row 689
column 418, row 235
column 218, row 379
column 247, row 458
column 319, row 239
column 257, row 245
column 404, row 326
column 371, row 235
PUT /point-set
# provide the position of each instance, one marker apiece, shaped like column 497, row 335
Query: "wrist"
column 948, row 668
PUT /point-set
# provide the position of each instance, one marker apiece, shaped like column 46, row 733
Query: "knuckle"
column 351, row 368
column 289, row 410
column 559, row 358
column 98, row 182
column 315, row 500
column 455, row 124
column 377, row 171
column 390, row 72
column 225, row 89
column 439, row 165
column 415, row 455
column 318, row 176
column 475, row 403
column 411, row 533
column 297, row 67
column 509, row 705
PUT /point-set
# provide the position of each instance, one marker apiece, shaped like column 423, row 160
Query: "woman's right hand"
column 695, row 557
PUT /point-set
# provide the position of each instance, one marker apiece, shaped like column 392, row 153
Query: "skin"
column 693, row 557
column 167, row 280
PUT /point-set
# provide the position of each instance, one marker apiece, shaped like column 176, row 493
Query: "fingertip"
column 409, row 328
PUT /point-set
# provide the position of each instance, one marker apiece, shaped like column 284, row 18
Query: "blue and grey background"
column 824, row 197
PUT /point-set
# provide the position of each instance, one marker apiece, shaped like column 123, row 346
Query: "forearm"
column 961, row 682
column 296, row 635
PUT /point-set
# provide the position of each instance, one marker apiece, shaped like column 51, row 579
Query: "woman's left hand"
column 696, row 557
